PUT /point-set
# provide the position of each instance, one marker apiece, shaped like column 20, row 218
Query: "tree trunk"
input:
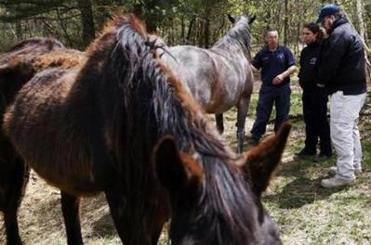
column 207, row 33
column 87, row 21
column 361, row 23
column 188, row 38
column 182, row 35
column 18, row 30
column 285, row 23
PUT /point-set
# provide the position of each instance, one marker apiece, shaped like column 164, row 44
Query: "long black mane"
column 150, row 103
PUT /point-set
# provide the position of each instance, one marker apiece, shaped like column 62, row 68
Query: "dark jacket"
column 308, row 66
column 342, row 62
column 273, row 63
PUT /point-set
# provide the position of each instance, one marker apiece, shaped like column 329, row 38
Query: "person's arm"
column 290, row 60
column 256, row 62
column 254, row 69
column 301, row 62
column 281, row 77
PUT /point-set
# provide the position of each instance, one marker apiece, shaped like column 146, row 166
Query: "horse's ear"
column 177, row 171
column 261, row 161
column 231, row 19
column 252, row 19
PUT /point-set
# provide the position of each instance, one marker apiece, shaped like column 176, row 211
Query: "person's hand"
column 278, row 79
column 324, row 32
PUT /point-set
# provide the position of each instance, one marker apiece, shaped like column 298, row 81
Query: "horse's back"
column 54, row 147
column 213, row 78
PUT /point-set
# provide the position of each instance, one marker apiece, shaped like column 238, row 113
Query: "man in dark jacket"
column 341, row 72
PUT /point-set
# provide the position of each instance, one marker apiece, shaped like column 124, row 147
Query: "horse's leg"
column 13, row 186
column 219, row 122
column 136, row 224
column 161, row 216
column 70, row 209
column 117, row 206
column 11, row 227
column 242, row 109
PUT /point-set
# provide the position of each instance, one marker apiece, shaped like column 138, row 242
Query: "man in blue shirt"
column 277, row 63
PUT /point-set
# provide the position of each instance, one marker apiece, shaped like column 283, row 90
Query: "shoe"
column 336, row 182
column 303, row 154
column 333, row 171
column 253, row 142
column 357, row 171
column 321, row 158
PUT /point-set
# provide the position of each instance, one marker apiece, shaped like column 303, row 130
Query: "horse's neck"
column 231, row 46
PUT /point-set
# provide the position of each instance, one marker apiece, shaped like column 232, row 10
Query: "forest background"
column 195, row 22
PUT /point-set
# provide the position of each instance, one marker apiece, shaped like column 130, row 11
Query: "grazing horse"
column 219, row 77
column 17, row 66
column 122, row 123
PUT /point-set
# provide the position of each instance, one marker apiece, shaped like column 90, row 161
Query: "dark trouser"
column 316, row 123
column 269, row 95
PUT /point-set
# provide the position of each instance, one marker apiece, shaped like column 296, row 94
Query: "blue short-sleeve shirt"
column 273, row 63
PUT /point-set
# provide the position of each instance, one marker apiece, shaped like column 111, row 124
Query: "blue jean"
column 269, row 96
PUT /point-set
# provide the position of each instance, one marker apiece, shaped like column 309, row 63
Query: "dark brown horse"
column 17, row 66
column 219, row 77
column 123, row 124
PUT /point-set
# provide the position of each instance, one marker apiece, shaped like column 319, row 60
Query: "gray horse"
column 219, row 77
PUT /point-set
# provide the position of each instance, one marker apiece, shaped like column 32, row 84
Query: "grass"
column 309, row 214
column 304, row 212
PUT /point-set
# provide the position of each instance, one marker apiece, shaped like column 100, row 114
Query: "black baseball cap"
column 327, row 10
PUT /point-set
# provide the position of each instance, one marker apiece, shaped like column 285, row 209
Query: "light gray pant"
column 344, row 113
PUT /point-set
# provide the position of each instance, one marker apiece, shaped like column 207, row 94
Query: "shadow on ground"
column 104, row 226
column 305, row 187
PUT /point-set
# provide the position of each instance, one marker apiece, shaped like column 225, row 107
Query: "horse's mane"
column 155, row 103
column 240, row 33
column 147, row 70
column 111, row 27
column 63, row 58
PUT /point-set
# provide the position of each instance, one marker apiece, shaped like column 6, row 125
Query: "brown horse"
column 123, row 124
column 219, row 77
column 17, row 66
